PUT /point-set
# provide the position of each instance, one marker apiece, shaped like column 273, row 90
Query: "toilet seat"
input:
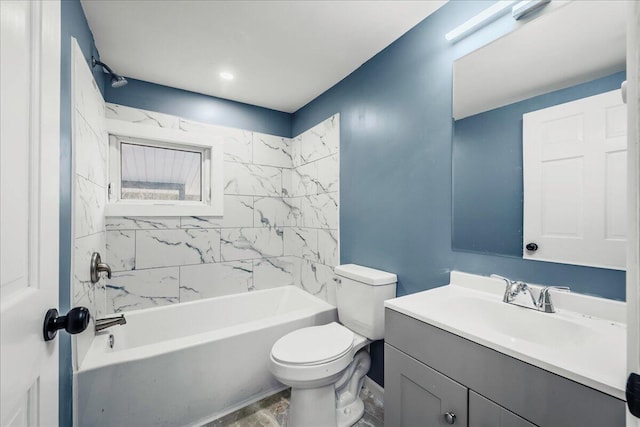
column 314, row 345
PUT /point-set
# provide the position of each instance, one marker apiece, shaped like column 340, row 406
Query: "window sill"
column 161, row 209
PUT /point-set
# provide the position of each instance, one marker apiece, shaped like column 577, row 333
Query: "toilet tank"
column 360, row 294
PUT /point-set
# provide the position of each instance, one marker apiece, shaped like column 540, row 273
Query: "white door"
column 575, row 181
column 29, row 193
column 633, row 254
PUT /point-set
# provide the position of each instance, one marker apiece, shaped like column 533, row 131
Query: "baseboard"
column 376, row 390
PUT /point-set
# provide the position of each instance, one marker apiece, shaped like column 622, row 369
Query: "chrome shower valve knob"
column 97, row 266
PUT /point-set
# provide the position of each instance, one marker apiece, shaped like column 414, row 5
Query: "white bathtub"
column 190, row 363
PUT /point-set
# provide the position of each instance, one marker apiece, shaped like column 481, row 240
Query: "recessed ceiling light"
column 226, row 76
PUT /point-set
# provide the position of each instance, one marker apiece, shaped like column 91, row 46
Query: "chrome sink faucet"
column 542, row 303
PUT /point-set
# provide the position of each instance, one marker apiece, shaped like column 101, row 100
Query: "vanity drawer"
column 544, row 398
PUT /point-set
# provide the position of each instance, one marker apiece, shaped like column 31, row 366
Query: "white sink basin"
column 587, row 346
column 518, row 324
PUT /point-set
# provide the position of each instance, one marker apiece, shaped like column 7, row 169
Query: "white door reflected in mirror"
column 575, row 182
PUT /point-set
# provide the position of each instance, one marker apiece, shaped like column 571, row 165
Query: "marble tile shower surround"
column 280, row 225
column 89, row 147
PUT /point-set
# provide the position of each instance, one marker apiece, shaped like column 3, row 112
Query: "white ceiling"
column 283, row 53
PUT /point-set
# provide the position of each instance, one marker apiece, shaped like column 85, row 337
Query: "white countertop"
column 584, row 341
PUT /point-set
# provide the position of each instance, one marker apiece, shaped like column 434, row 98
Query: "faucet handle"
column 560, row 288
column 508, row 291
column 544, row 300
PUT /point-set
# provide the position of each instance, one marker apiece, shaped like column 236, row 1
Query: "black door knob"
column 76, row 321
column 531, row 247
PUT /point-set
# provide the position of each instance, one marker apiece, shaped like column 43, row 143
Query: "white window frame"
column 212, row 185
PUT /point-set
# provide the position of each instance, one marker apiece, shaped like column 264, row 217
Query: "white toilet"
column 325, row 365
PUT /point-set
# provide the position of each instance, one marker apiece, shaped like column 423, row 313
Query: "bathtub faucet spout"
column 108, row 322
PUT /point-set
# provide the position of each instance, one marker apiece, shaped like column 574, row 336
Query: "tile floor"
column 273, row 412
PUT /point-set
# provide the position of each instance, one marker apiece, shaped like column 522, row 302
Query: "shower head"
column 116, row 79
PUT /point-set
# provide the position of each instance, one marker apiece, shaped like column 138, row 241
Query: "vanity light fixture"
column 478, row 21
column 527, row 6
column 226, row 76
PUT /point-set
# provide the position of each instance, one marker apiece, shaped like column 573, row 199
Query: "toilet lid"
column 313, row 345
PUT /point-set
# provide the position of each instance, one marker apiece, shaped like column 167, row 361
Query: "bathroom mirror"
column 575, row 51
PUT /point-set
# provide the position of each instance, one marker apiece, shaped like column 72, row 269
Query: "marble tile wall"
column 313, row 193
column 280, row 223
column 89, row 148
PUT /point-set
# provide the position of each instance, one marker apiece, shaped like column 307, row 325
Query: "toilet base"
column 334, row 401
column 350, row 414
column 312, row 407
column 319, row 408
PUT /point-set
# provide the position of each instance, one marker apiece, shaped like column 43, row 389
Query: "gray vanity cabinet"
column 485, row 413
column 416, row 395
column 430, row 372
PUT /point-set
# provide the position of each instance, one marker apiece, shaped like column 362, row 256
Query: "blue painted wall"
column 198, row 107
column 487, row 170
column 395, row 133
column 396, row 157
column 73, row 24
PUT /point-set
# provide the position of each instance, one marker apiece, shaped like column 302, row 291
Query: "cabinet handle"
column 450, row 417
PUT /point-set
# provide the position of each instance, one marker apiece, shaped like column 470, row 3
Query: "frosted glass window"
column 155, row 173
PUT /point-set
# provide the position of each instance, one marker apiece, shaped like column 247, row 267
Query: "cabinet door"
column 485, row 413
column 416, row 395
